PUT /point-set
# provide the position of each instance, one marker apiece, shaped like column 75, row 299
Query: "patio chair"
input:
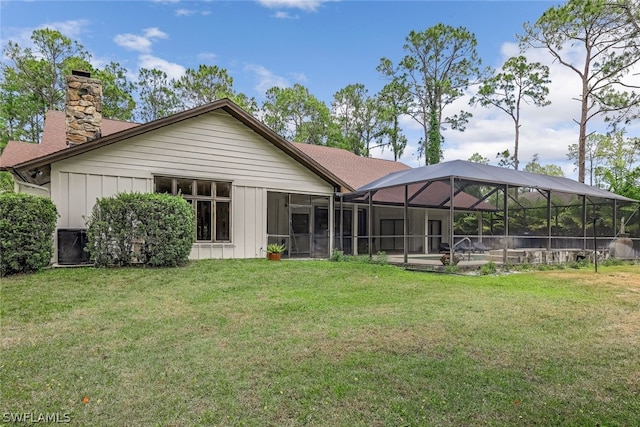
column 443, row 247
column 480, row 247
column 462, row 247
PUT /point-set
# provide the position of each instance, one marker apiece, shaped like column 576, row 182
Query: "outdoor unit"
column 71, row 243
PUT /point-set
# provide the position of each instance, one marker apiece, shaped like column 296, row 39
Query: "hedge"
column 27, row 223
column 134, row 228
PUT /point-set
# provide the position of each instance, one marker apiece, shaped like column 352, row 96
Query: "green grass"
column 318, row 343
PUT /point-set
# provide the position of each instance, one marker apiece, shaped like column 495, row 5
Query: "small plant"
column 611, row 262
column 381, row 258
column 451, row 268
column 276, row 248
column 488, row 268
column 337, row 256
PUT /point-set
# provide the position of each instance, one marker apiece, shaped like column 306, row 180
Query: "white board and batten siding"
column 214, row 146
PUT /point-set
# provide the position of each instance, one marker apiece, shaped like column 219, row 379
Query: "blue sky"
column 323, row 45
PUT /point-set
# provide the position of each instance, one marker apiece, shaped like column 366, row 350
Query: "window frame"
column 213, row 198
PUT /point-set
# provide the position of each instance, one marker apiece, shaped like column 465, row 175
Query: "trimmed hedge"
column 134, row 228
column 27, row 223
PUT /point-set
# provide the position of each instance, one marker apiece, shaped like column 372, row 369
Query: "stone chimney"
column 84, row 108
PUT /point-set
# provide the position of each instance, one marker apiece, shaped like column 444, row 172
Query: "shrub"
column 134, row 228
column 488, row 268
column 26, row 232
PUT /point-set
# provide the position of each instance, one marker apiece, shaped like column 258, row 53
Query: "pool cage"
column 486, row 213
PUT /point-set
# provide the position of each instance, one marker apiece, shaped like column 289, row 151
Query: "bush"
column 488, row 268
column 133, row 228
column 26, row 232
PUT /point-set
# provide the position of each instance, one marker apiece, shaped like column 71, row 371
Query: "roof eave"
column 224, row 104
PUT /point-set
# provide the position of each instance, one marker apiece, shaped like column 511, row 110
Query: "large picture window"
column 211, row 202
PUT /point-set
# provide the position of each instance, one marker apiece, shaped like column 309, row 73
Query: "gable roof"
column 355, row 170
column 476, row 172
column 22, row 156
column 53, row 139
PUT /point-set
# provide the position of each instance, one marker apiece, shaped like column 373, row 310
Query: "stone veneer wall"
column 83, row 109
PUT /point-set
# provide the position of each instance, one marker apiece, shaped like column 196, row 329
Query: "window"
column 211, row 202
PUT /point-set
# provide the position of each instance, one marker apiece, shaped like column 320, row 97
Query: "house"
column 248, row 186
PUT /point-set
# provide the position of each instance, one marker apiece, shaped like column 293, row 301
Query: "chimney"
column 84, row 108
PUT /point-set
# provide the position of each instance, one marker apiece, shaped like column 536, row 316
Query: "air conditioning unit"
column 71, row 244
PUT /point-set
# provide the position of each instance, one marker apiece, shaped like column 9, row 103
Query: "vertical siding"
column 214, row 146
column 76, row 193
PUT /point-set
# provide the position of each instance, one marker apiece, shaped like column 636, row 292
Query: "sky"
column 323, row 45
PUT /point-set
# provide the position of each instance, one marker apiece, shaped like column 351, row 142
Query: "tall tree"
column 357, row 117
column 620, row 171
column 202, row 86
column 519, row 82
column 117, row 92
column 479, row 158
column 594, row 156
column 250, row 105
column 534, row 166
column 440, row 64
column 157, row 98
column 392, row 101
column 609, row 46
column 297, row 115
column 33, row 81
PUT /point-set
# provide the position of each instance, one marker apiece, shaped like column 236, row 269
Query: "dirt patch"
column 618, row 279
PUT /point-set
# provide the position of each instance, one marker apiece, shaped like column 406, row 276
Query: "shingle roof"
column 53, row 139
column 22, row 157
column 353, row 169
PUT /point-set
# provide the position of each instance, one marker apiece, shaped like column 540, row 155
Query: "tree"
column 440, row 64
column 609, row 44
column 250, row 105
column 505, row 159
column 631, row 9
column 534, row 166
column 519, row 82
column 478, row 158
column 117, row 92
column 392, row 101
column 357, row 117
column 33, row 82
column 157, row 99
column 593, row 155
column 202, row 86
column 620, row 172
column 297, row 115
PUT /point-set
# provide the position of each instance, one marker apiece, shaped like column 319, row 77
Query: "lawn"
column 252, row 342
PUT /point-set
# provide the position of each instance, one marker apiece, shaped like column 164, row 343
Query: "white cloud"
column 190, row 12
column 266, row 79
column 155, row 33
column 140, row 43
column 285, row 15
column 133, row 42
column 307, row 5
column 207, row 56
column 72, row 28
column 173, row 70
